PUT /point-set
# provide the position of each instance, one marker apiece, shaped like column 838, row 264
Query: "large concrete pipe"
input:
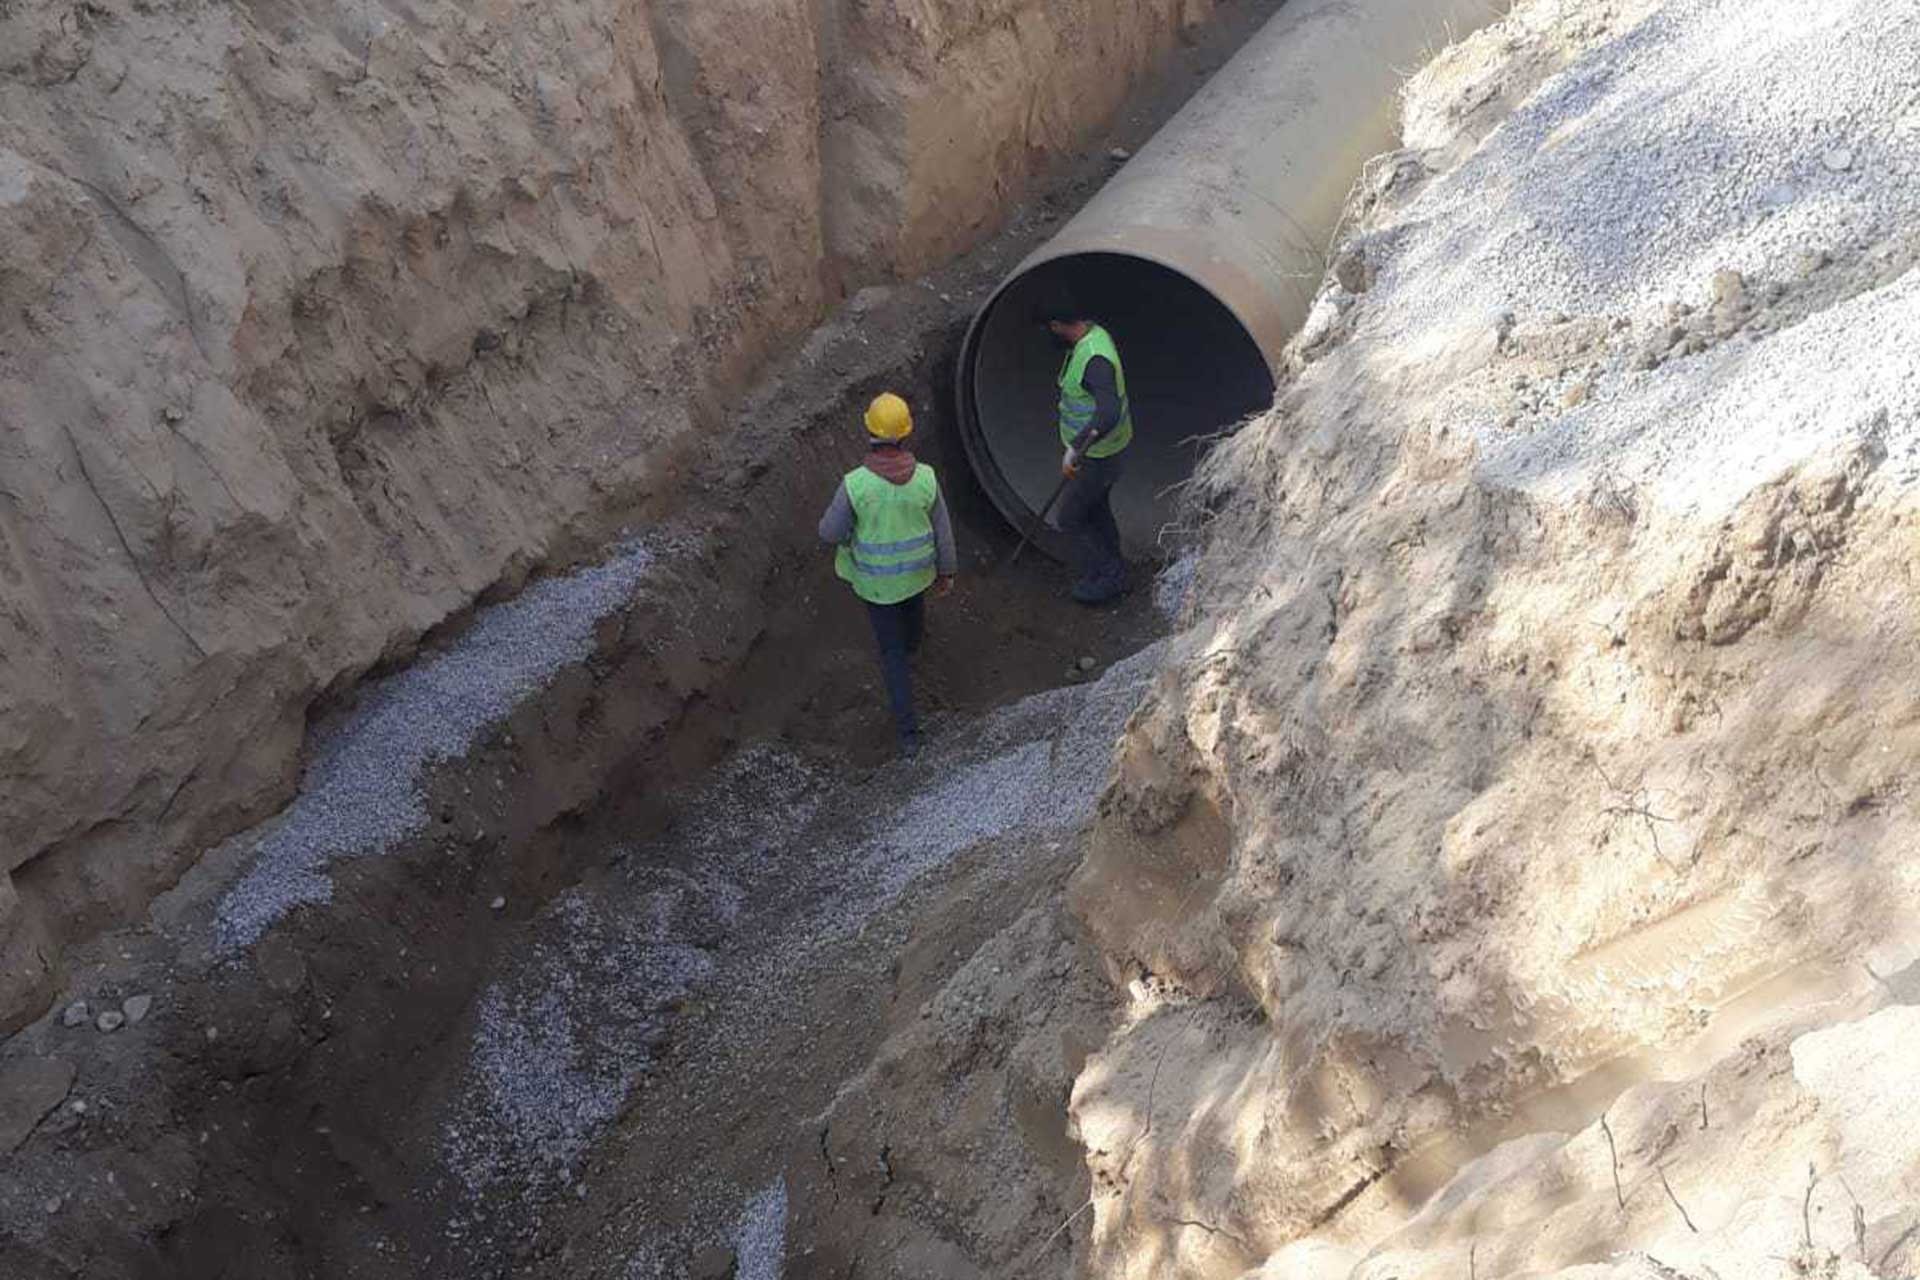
column 1202, row 254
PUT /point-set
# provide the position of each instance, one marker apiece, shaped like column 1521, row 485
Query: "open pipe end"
column 1192, row 369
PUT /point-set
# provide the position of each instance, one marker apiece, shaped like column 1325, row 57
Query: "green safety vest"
column 892, row 555
column 1076, row 402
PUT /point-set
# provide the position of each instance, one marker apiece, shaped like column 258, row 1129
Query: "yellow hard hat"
column 888, row 417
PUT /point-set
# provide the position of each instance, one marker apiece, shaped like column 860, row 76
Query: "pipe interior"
column 1191, row 370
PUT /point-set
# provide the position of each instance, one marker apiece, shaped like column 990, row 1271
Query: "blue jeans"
column 897, row 629
column 1086, row 516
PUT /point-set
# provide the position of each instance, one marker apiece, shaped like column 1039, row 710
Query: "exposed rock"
column 136, row 1008
column 110, row 1020
column 1729, row 289
column 1350, row 269
column 1730, row 302
column 27, row 977
column 78, row 1014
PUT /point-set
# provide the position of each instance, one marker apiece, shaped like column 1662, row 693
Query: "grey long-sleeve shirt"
column 1104, row 387
column 836, row 527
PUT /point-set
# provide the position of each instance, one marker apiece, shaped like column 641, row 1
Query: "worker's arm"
column 836, row 526
column 949, row 554
column 1101, row 383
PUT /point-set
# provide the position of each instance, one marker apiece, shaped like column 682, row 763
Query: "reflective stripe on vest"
column 1077, row 406
column 893, row 555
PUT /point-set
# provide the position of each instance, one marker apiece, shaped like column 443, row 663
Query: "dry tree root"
column 1668, row 1187
column 1886, row 1254
column 1613, row 1152
column 1806, row 1209
column 1635, row 805
column 1071, row 1219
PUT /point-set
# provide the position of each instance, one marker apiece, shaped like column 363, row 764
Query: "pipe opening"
column 1191, row 367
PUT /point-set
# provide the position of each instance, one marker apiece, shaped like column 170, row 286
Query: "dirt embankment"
column 318, row 323
column 1545, row 723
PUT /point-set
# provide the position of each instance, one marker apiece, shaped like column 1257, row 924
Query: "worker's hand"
column 943, row 586
column 1070, row 464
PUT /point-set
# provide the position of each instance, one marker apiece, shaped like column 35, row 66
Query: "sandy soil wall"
column 320, row 321
column 1545, row 719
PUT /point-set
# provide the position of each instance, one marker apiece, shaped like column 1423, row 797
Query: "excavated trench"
column 677, row 940
column 325, row 1084
column 574, row 1036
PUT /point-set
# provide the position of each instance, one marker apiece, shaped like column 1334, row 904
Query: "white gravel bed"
column 361, row 792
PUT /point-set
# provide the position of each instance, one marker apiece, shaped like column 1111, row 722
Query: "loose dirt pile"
column 1546, row 716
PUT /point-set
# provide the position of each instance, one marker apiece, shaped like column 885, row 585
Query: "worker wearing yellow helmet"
column 894, row 541
column 1096, row 426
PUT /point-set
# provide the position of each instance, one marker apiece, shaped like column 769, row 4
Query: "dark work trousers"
column 1086, row 516
column 897, row 629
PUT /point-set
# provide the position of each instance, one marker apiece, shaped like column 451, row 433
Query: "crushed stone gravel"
column 1688, row 145
column 1705, row 139
column 361, row 792
column 558, row 1042
column 760, row 1238
column 1173, row 587
column 1701, row 438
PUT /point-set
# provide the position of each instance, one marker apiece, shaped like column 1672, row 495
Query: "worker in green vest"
column 894, row 540
column 1096, row 425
